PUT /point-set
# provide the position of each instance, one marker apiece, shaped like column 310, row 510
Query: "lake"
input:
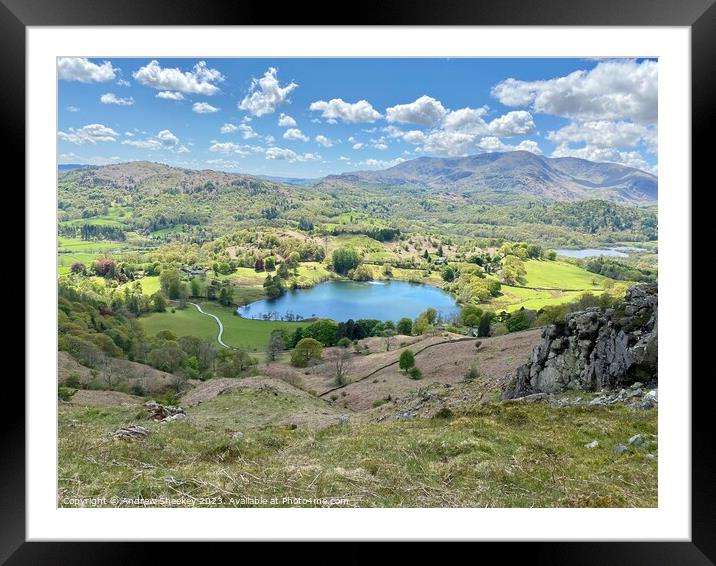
column 593, row 252
column 343, row 300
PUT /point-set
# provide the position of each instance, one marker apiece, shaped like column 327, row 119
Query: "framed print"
column 391, row 279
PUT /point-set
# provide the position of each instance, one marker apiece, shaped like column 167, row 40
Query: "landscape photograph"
column 357, row 282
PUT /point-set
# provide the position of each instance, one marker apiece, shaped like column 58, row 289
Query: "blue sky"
column 313, row 117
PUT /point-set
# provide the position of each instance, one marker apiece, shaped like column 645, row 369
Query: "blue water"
column 343, row 300
column 592, row 252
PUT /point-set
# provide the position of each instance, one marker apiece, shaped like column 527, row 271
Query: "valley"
column 370, row 325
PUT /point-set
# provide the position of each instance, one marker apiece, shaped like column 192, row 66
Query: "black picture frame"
column 699, row 15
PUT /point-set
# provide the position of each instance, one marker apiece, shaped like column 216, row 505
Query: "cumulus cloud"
column 592, row 153
column 165, row 140
column 122, row 82
column 228, row 129
column 359, row 145
column 247, row 132
column 89, row 134
column 337, row 109
column 323, row 140
column 170, row 95
column 111, row 98
column 512, row 124
column 280, row 153
column 229, row 147
column 467, row 119
column 73, row 109
column 285, row 121
column 425, row 111
column 294, row 134
column 266, row 94
column 83, row 70
column 203, row 108
column 602, row 133
column 613, row 90
column 200, row 80
column 381, row 164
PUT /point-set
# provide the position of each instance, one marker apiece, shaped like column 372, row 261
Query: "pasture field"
column 251, row 335
column 514, row 298
column 561, row 275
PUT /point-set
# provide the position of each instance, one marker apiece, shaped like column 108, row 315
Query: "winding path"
column 218, row 321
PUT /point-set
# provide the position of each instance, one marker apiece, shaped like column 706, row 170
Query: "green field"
column 514, row 298
column 561, row 275
column 150, row 284
column 239, row 332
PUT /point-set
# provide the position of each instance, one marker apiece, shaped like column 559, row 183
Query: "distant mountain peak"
column 515, row 173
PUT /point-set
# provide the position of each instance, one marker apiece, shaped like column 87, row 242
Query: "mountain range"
column 497, row 178
column 515, row 173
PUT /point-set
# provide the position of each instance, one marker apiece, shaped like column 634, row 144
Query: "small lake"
column 343, row 300
column 593, row 252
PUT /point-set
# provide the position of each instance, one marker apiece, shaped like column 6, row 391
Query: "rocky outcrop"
column 593, row 350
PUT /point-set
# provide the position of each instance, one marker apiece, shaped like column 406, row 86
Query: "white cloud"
column 170, row 95
column 165, row 139
column 467, row 119
column 266, row 94
column 203, row 108
column 93, row 160
column 228, row 147
column 414, row 137
column 89, row 134
column 285, row 121
column 602, row 133
column 83, row 70
column 247, row 132
column 358, row 145
column 111, row 98
column 323, row 140
column 228, row 129
column 73, row 109
column 380, row 163
column 294, row 134
column 200, row 80
column 122, row 82
column 606, row 154
column 352, row 113
column 613, row 90
column 513, row 124
column 425, row 111
column 280, row 153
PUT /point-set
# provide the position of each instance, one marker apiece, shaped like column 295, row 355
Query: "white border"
column 671, row 521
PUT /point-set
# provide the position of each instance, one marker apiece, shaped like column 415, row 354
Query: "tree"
column 518, row 321
column 470, row 315
column 345, row 259
column 483, row 330
column 323, row 330
column 307, row 350
column 233, row 363
column 78, row 268
column 342, row 361
column 159, row 303
column 405, row 326
column 363, row 273
column 406, row 360
column 513, row 271
column 389, row 338
column 282, row 271
column 270, row 263
column 170, row 283
column 276, row 345
column 293, row 260
column 448, row 274
column 259, row 264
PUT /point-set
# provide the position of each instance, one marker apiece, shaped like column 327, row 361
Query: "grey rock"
column 593, row 351
column 637, row 440
column 343, row 419
column 592, row 444
column 621, row 449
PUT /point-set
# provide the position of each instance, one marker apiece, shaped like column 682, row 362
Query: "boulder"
column 593, row 350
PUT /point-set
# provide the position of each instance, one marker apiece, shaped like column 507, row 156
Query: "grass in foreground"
column 493, row 456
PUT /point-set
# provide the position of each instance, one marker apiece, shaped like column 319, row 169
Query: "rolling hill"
column 514, row 173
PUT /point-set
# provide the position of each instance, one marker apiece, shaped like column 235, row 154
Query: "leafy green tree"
column 345, row 259
column 306, row 351
column 448, row 274
column 276, row 345
column 518, row 321
column 470, row 315
column 233, row 363
column 483, row 330
column 170, row 283
column 293, row 260
column 323, row 330
column 406, row 360
column 270, row 263
column 363, row 273
column 405, row 326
